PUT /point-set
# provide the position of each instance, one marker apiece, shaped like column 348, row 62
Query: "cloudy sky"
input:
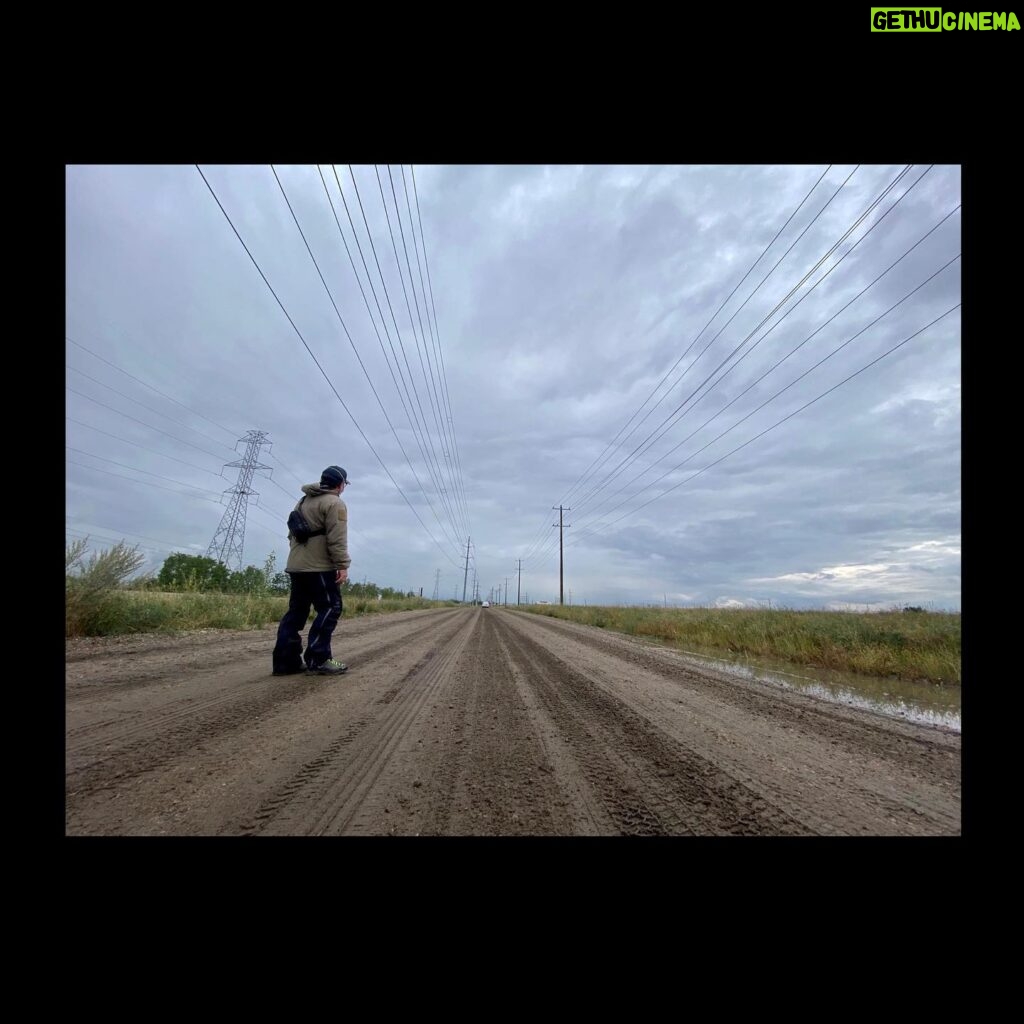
column 478, row 345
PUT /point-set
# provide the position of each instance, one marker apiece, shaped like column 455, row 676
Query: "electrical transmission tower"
column 229, row 539
column 437, row 582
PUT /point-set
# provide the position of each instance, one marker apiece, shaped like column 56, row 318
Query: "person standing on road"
column 316, row 568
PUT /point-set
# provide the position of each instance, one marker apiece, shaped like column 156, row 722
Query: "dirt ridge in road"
column 885, row 735
column 650, row 785
column 469, row 721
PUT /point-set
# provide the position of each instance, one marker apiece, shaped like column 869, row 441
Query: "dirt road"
column 470, row 721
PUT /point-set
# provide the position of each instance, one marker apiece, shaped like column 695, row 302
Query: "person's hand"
column 341, row 576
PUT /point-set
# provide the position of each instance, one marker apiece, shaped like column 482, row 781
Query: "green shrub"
column 90, row 585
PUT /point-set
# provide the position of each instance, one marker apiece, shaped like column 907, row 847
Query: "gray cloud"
column 564, row 295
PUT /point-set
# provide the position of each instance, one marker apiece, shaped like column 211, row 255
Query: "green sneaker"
column 331, row 667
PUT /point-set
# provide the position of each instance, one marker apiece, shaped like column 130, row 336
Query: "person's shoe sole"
column 321, row 671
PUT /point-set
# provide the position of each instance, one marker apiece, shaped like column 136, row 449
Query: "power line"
column 423, row 290
column 418, row 431
column 217, row 499
column 441, row 487
column 414, row 424
column 444, row 378
column 123, row 465
column 144, row 406
column 707, row 325
column 821, row 327
column 348, row 335
column 425, row 429
column 420, row 350
column 804, row 342
column 320, row 368
column 285, row 468
column 97, row 469
column 625, row 462
column 214, row 498
column 429, row 385
column 233, row 433
column 164, row 544
column 81, row 535
column 790, row 415
column 147, row 425
column 152, row 451
column 539, row 546
column 280, row 521
column 676, row 414
column 170, row 399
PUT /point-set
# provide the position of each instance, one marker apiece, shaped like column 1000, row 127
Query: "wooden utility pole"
column 561, row 560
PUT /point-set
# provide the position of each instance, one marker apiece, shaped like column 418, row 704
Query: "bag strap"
column 322, row 532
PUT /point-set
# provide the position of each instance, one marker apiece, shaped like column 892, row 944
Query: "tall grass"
column 910, row 645
column 139, row 611
column 134, row 611
column 101, row 600
column 371, row 606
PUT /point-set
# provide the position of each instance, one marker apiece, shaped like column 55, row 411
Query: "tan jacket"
column 323, row 509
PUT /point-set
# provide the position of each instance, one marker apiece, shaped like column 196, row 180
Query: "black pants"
column 319, row 590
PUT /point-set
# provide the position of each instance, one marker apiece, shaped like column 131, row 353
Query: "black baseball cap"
column 332, row 476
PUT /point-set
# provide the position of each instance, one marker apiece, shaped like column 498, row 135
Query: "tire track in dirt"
column 823, row 778
column 95, row 672
column 188, row 707
column 493, row 776
column 152, row 739
column 485, row 722
column 648, row 783
column 463, row 758
column 326, row 793
column 586, row 812
column 890, row 739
